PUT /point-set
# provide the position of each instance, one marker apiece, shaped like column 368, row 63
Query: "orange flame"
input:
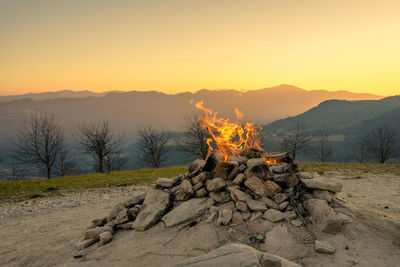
column 229, row 138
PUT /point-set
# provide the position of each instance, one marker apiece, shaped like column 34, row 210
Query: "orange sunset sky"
column 173, row 46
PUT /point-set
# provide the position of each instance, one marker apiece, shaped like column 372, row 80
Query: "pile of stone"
column 252, row 186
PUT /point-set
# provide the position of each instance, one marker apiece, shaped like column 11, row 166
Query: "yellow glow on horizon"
column 175, row 46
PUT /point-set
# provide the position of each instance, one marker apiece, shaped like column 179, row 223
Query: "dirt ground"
column 42, row 232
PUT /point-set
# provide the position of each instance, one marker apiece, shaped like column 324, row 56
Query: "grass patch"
column 363, row 168
column 29, row 189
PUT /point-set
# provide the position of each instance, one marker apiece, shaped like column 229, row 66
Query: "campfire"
column 237, row 182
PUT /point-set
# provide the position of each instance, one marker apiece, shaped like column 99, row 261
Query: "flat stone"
column 323, row 217
column 167, row 182
column 114, row 212
column 201, row 193
column 95, row 232
column 221, row 197
column 133, row 213
column 242, row 206
column 306, row 175
column 279, row 198
column 290, row 215
column 271, row 189
column 224, row 216
column 256, row 205
column 238, row 195
column 185, row 191
column 261, row 171
column 135, row 200
column 296, row 222
column 100, row 222
column 125, row 226
column 324, row 194
column 283, row 205
column 323, row 183
column 154, row 206
column 252, row 153
column 223, row 169
column 198, row 186
column 187, row 211
column 196, row 165
column 256, row 185
column 238, row 179
column 215, row 184
column 85, row 243
column 199, row 178
column 246, row 215
column 270, row 204
column 255, row 216
column 280, row 240
column 255, row 162
column 324, row 247
column 236, row 255
column 286, row 179
column 237, row 217
column 105, row 237
column 228, row 205
column 273, row 215
column 213, row 216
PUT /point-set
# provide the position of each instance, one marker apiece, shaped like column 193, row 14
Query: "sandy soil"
column 42, row 232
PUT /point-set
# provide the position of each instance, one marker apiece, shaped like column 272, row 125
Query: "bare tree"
column 65, row 164
column 382, row 142
column 99, row 141
column 152, row 146
column 39, row 141
column 297, row 140
column 321, row 147
column 115, row 162
column 194, row 142
column 359, row 148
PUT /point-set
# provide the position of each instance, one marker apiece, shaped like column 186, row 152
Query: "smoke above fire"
column 228, row 137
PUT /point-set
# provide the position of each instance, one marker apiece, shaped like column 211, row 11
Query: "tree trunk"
column 48, row 172
column 101, row 165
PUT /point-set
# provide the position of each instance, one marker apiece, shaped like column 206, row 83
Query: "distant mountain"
column 51, row 95
column 128, row 110
column 340, row 114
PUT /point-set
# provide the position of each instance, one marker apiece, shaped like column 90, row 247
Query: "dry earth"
column 42, row 232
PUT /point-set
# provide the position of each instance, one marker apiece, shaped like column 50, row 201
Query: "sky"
column 173, row 46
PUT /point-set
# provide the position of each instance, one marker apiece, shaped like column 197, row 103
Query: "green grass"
column 322, row 168
column 30, row 189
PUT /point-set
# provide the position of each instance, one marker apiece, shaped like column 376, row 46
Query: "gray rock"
column 290, row 215
column 324, row 247
column 255, row 205
column 196, row 165
column 279, row 198
column 238, row 195
column 85, row 243
column 100, row 222
column 256, row 185
column 187, row 211
column 271, row 189
column 324, row 194
column 273, row 215
column 286, row 179
column 199, row 178
column 95, row 233
column 283, row 205
column 221, row 197
column 224, row 169
column 252, row 153
column 330, row 184
column 261, row 171
column 135, row 200
column 241, row 206
column 228, row 205
column 270, row 204
column 237, row 217
column 198, row 186
column 256, row 216
column 215, row 184
column 307, row 175
column 296, row 222
column 114, row 212
column 133, row 213
column 167, row 182
column 201, row 193
column 246, row 215
column 105, row 237
column 154, row 206
column 235, row 255
column 224, row 216
column 238, row 179
column 213, row 216
column 255, row 162
column 185, row 191
column 323, row 216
